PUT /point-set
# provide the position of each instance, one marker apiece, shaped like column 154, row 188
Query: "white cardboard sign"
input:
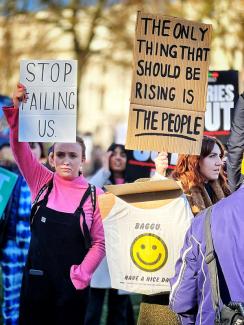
column 49, row 115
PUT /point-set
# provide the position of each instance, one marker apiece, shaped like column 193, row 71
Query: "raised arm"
column 34, row 172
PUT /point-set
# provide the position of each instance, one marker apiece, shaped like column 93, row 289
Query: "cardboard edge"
column 144, row 201
column 143, row 187
column 106, row 202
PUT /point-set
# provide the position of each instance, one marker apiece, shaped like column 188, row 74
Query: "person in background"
column 202, row 180
column 15, row 249
column 49, row 158
column 6, row 155
column 119, row 304
column 236, row 146
column 38, row 150
column 67, row 237
column 96, row 159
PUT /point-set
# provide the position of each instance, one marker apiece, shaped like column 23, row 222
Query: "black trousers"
column 161, row 299
column 42, row 304
column 120, row 311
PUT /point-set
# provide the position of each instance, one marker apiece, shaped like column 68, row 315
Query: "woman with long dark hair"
column 202, row 177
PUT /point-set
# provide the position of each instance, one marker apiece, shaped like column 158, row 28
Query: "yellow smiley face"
column 149, row 252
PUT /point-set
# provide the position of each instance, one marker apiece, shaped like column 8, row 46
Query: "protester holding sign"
column 17, row 235
column 67, row 241
column 119, row 305
column 201, row 177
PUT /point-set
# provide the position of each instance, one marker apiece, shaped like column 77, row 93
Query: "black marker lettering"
column 67, row 70
column 27, row 68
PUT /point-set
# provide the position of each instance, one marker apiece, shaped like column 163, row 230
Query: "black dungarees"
column 57, row 242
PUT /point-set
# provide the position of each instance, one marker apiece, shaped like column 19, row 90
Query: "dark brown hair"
column 83, row 146
column 32, row 145
column 113, row 147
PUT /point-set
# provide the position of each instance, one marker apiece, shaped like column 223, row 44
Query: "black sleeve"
column 236, row 146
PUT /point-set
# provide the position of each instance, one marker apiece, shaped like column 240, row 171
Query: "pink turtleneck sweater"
column 65, row 196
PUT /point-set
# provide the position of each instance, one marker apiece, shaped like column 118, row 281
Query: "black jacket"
column 236, row 146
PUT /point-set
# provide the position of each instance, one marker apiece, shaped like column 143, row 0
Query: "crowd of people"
column 51, row 277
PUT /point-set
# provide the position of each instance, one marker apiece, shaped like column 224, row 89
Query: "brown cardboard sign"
column 162, row 129
column 171, row 60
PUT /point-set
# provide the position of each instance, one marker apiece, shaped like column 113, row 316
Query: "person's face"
column 117, row 161
column 67, row 159
column 6, row 153
column 210, row 166
column 36, row 150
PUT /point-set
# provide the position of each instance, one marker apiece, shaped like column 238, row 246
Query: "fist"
column 161, row 163
column 19, row 95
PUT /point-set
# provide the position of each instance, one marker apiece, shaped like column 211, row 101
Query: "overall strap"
column 49, row 188
column 93, row 197
column 89, row 192
column 210, row 260
column 84, row 198
column 36, row 202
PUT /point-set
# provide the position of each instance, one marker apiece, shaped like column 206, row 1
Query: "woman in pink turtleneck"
column 67, row 242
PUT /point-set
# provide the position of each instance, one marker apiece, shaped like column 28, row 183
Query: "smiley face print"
column 149, row 252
